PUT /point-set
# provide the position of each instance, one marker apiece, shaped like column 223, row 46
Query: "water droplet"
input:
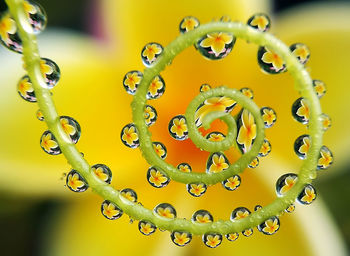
column 270, row 226
column 102, row 172
column 50, row 71
column 129, row 136
column 39, row 115
column 246, row 131
column 146, row 228
column 212, row 240
column 49, row 144
column 248, row 232
column 326, row 122
column 178, row 128
column 232, row 236
column 150, row 53
column 184, row 167
column 260, row 21
column 215, row 136
column 239, row 213
column 181, row 238
column 301, row 51
column 253, row 164
column 204, row 88
column 225, row 18
column 217, row 162
column 232, row 183
column 269, row 116
column 188, row 23
column 9, row 36
column 202, row 216
column 131, row 81
column 150, row 115
column 156, row 88
column 196, row 189
column 290, row 208
column 270, row 62
column 36, row 16
column 71, row 127
column 319, row 87
column 265, row 148
column 216, row 45
column 160, row 149
column 301, row 111
column 247, row 92
column 302, row 145
column 76, row 182
column 285, row 183
column 25, row 89
column 257, row 207
column 165, row 210
column 308, row 195
column 129, row 194
column 157, row 178
column 110, row 210
column 325, row 159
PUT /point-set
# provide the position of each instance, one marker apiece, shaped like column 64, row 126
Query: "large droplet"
column 36, row 16
column 269, row 226
column 76, row 182
column 302, row 145
column 301, row 111
column 301, row 51
column 157, row 178
column 260, row 21
column 196, row 189
column 150, row 115
column 212, row 240
column 178, row 128
column 156, row 88
column 188, row 23
column 129, row 194
column 8, row 33
column 181, row 238
column 165, row 210
column 217, row 162
column 110, row 210
column 269, row 116
column 71, row 127
column 50, row 71
column 49, row 143
column 216, row 45
column 285, row 183
column 102, row 172
column 325, row 159
column 129, row 136
column 131, row 81
column 146, row 228
column 232, row 183
column 270, row 62
column 202, row 216
column 150, row 53
column 308, row 195
column 25, row 89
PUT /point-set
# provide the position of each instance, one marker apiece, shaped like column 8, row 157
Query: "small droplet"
column 50, row 71
column 76, row 182
column 71, row 127
column 270, row 62
column 232, row 236
column 188, row 23
column 215, row 136
column 248, row 232
column 181, row 238
column 269, row 116
column 9, row 36
column 202, row 216
column 253, row 164
column 270, row 226
column 150, row 53
column 157, row 178
column 301, row 51
column 204, row 88
column 160, row 149
column 257, row 207
column 325, row 159
column 39, row 115
column 165, row 210
column 319, row 87
column 216, row 45
column 196, row 189
column 239, row 213
column 302, row 145
column 110, row 210
column 308, row 195
column 247, row 92
column 225, row 18
column 146, row 228
column 285, row 183
column 36, row 16
column 265, row 148
column 184, row 167
column 150, row 115
column 178, row 128
column 102, row 172
column 25, row 89
column 49, row 144
column 290, row 208
column 326, row 122
column 131, row 81
column 217, row 162
column 301, row 111
column 212, row 240
column 129, row 136
column 232, row 183
column 156, row 88
column 246, row 130
column 129, row 194
column 260, row 21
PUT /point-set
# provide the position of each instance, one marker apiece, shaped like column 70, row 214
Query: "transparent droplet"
column 270, row 226
column 76, row 182
column 265, row 148
column 307, row 195
column 160, row 149
column 253, row 164
column 196, row 189
column 102, row 172
column 225, row 18
column 217, row 162
column 302, row 145
column 39, row 115
column 178, row 127
column 285, row 183
column 301, row 111
column 204, row 88
column 257, row 207
column 215, row 136
column 246, row 132
column 212, row 240
column 131, row 81
column 71, row 127
column 150, row 115
column 326, row 122
column 184, row 167
column 325, row 159
column 25, row 89
column 129, row 194
column 188, row 23
column 269, row 116
column 301, row 51
column 290, row 208
column 232, row 236
column 216, row 45
column 157, row 178
column 239, row 213
column 49, row 143
column 181, row 238
column 202, row 216
column 319, row 87
column 247, row 92
column 9, row 36
column 232, row 183
column 50, row 71
column 165, row 210
column 260, row 21
column 270, row 62
column 156, row 88
column 248, row 232
column 129, row 136
column 146, row 228
column 150, row 53
column 110, row 210
column 36, row 16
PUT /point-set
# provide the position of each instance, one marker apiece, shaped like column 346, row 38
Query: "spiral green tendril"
column 303, row 84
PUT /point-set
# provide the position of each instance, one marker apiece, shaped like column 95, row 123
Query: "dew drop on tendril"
column 9, row 36
column 301, row 51
column 269, row 116
column 301, row 111
column 326, row 122
column 129, row 194
column 156, row 88
column 160, row 149
column 269, row 226
column 131, row 81
column 25, row 89
column 216, row 45
column 248, row 232
column 319, row 87
column 75, row 182
column 188, row 23
column 36, row 16
column 217, row 162
column 302, row 145
column 110, row 210
column 178, row 127
column 204, row 88
column 202, row 216
column 150, row 115
column 285, row 183
column 129, row 136
column 325, row 159
column 232, row 236
column 270, row 62
column 255, row 163
column 39, row 115
column 215, row 136
column 49, row 144
column 157, row 178
column 146, row 228
column 239, row 213
column 196, row 189
column 247, row 92
column 150, row 53
column 181, row 238
column 71, row 127
column 50, row 71
column 307, row 195
column 260, row 21
column 184, row 167
column 265, row 148
column 165, row 210
column 102, row 172
column 232, row 183
column 212, row 240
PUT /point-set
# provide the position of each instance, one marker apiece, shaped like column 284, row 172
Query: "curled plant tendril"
column 214, row 41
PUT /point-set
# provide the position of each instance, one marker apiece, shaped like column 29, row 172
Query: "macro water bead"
column 285, row 183
column 8, row 33
column 260, row 21
column 184, row 167
column 188, row 23
column 71, row 127
column 212, row 240
column 196, row 189
column 269, row 116
column 265, row 148
column 129, row 136
column 49, row 143
column 246, row 130
column 302, row 145
column 156, row 88
column 301, row 111
column 76, row 182
column 165, row 210
column 146, row 228
column 319, row 87
column 157, row 178
column 102, row 172
column 239, row 213
column 160, row 149
column 110, row 210
column 247, row 92
column 325, row 159
column 301, row 51
column 50, row 72
column 202, row 216
column 326, row 122
column 181, row 238
column 216, row 45
column 25, row 89
column 150, row 53
column 217, row 162
column 232, row 236
column 269, row 226
column 150, row 115
column 178, row 128
column 129, row 194
column 307, row 195
column 232, row 183
column 131, row 81
column 39, row 115
column 36, row 16
column 269, row 61
column 204, row 88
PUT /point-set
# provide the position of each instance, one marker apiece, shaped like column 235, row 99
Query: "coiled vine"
column 214, row 41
